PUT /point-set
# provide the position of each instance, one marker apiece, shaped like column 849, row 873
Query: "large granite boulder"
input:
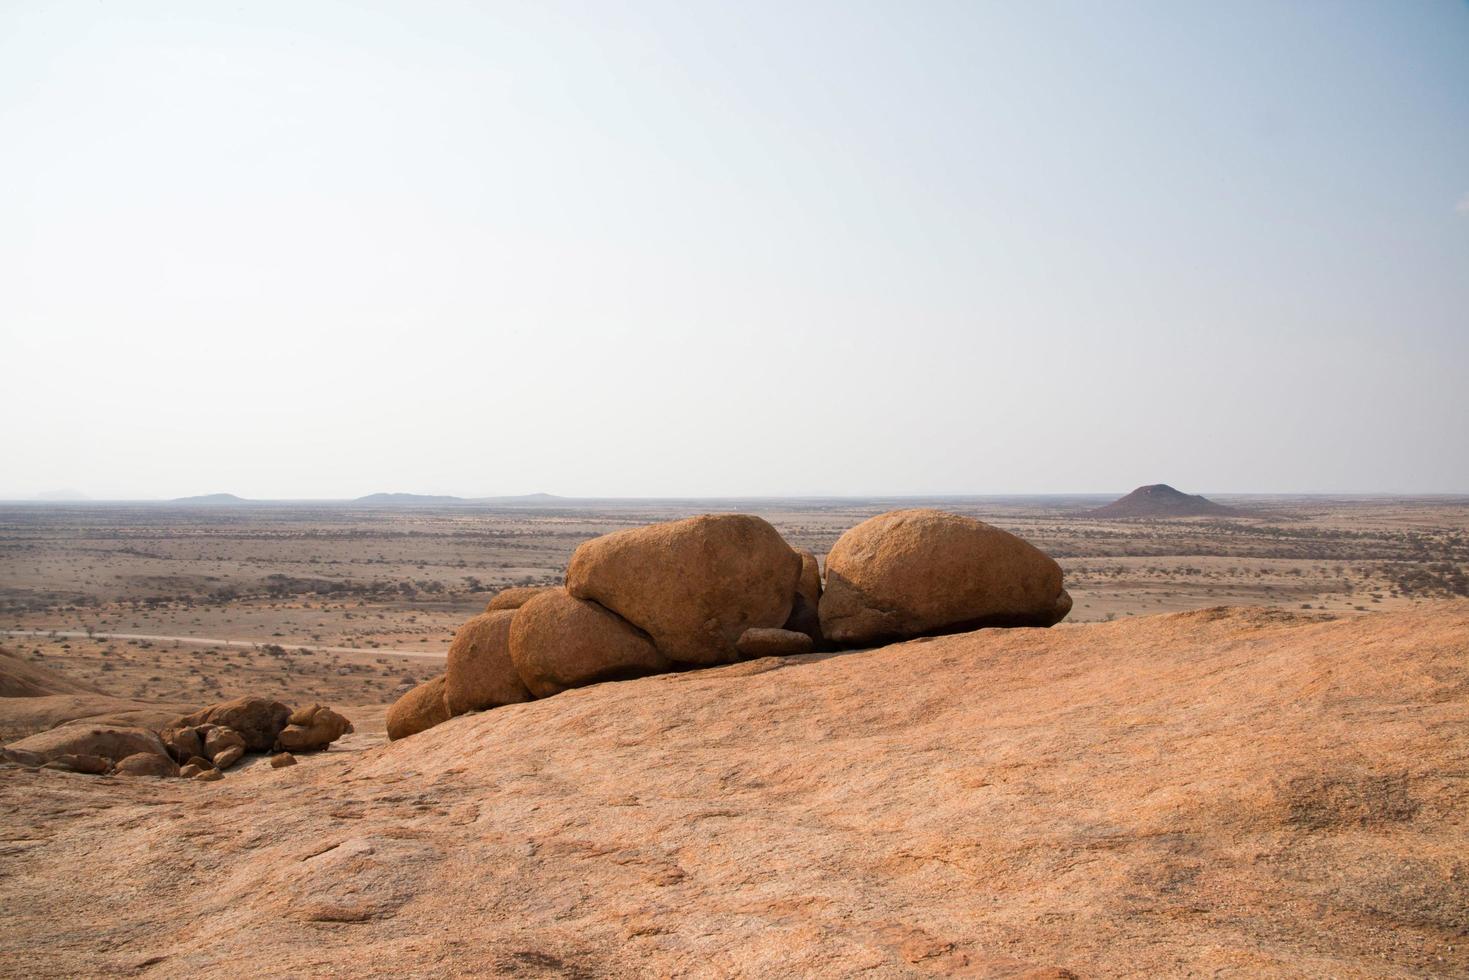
column 419, row 710
column 559, row 642
column 479, row 673
column 694, row 585
column 258, row 720
column 918, row 572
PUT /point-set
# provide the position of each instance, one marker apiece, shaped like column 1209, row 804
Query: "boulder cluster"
column 199, row 746
column 720, row 588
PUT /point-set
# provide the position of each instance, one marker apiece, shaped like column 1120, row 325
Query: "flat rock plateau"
column 1224, row 792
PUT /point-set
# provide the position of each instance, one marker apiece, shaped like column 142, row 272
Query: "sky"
column 313, row 249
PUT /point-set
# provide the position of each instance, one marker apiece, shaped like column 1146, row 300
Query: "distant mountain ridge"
column 1161, row 500
column 408, row 499
column 211, row 500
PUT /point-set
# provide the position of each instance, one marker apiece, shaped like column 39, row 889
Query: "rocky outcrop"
column 694, row 586
column 258, row 721
column 103, row 741
column 419, row 710
column 515, row 596
column 918, row 572
column 312, row 729
column 1187, row 795
column 479, row 673
column 558, row 642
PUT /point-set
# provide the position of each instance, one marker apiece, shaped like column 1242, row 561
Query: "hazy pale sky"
column 296, row 249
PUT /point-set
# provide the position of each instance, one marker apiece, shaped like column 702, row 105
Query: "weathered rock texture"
column 258, row 720
column 694, row 585
column 558, row 642
column 419, row 710
column 479, row 673
column 1237, row 793
column 516, row 596
column 911, row 573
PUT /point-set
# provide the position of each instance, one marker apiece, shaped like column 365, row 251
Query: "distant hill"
column 1161, row 500
column 210, row 500
column 407, row 500
column 524, row 499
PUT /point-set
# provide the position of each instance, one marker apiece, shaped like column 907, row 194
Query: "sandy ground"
column 1237, row 793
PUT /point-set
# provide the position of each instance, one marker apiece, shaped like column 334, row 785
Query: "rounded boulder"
column 147, row 764
column 919, row 572
column 558, row 642
column 695, row 585
column 419, row 710
column 479, row 673
column 311, row 729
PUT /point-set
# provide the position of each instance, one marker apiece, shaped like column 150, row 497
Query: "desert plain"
column 1158, row 785
column 350, row 603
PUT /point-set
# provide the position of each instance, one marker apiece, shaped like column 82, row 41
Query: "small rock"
column 282, row 760
column 768, row 642
column 190, row 770
column 229, row 757
column 222, row 739
column 183, row 743
column 200, row 762
column 209, row 776
column 147, row 764
column 92, row 765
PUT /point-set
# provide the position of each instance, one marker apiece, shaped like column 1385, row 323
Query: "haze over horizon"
column 691, row 250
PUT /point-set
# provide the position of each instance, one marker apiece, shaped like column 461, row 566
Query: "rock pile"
column 199, row 746
column 723, row 587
